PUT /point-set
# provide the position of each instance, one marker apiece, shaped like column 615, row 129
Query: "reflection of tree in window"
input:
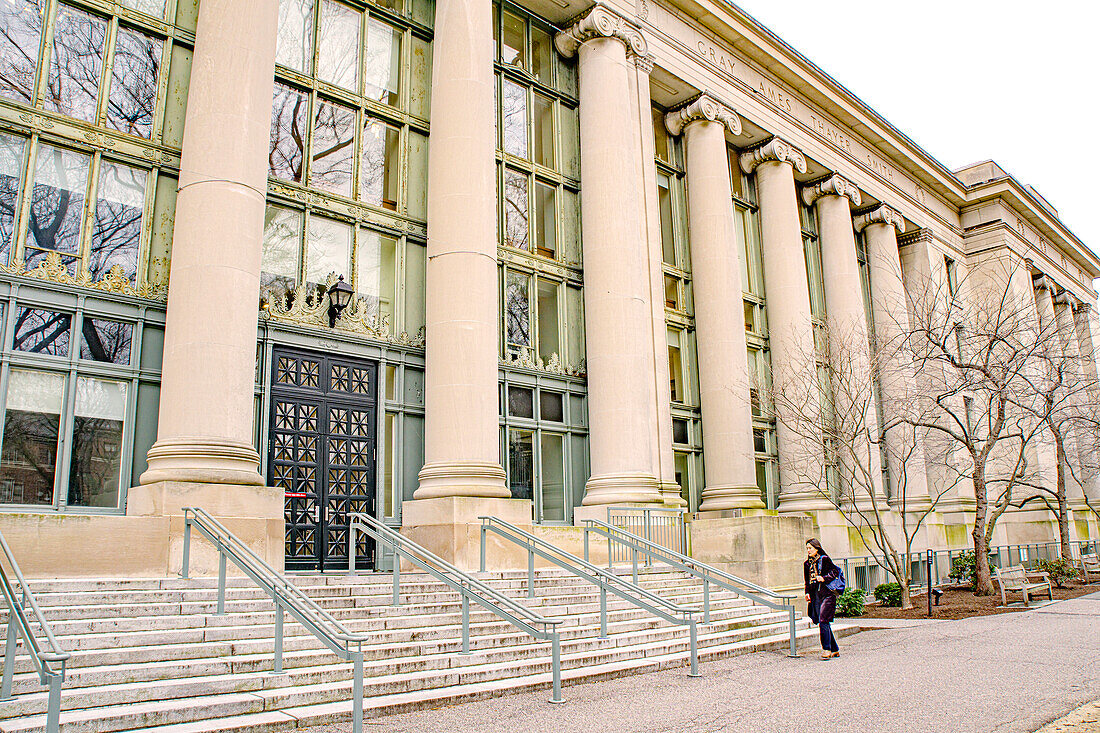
column 514, row 108
column 20, row 30
column 289, row 125
column 378, row 164
column 333, row 149
column 42, row 331
column 338, row 45
column 30, row 442
column 57, row 203
column 108, row 341
column 521, row 464
column 76, row 64
column 518, row 310
column 11, row 167
column 294, row 46
column 95, row 465
column 116, row 230
column 133, row 96
column 516, row 227
column 282, row 240
column 383, row 62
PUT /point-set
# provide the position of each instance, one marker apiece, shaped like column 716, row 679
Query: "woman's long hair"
column 813, row 542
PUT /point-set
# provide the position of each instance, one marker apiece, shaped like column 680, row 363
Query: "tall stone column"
column 880, row 228
column 618, row 312
column 461, row 428
column 834, row 197
column 788, row 300
column 729, row 456
column 665, row 459
column 1088, row 335
column 204, row 430
column 1064, row 304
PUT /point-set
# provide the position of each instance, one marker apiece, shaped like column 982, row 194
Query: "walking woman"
column 818, row 571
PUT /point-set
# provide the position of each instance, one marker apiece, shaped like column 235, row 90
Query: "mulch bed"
column 960, row 602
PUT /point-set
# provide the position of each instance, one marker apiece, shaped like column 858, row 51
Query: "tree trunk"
column 983, row 585
column 1060, row 496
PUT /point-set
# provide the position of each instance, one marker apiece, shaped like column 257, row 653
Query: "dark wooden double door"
column 321, row 453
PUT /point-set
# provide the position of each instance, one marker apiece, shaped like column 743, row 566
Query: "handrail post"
column 791, row 624
column 530, row 571
column 278, row 638
column 357, row 694
column 186, row 547
column 53, row 702
column 465, row 624
column 483, row 531
column 586, row 533
column 9, row 657
column 634, row 562
column 352, row 532
column 221, row 582
column 603, row 612
column 706, row 601
column 555, row 666
column 396, row 577
column 694, row 634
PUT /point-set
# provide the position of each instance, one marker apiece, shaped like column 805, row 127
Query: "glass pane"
column 22, row 24
column 515, row 210
column 289, row 128
column 133, row 97
column 544, row 131
column 517, row 305
column 28, row 458
column 333, row 149
column 750, row 317
column 57, row 203
column 515, row 119
column 154, row 8
column 116, row 230
column 95, row 469
column 550, row 406
column 680, row 431
column 420, row 92
column 759, row 440
column 521, row 402
column 664, row 198
column 549, row 337
column 383, row 68
column 672, row 292
column 76, row 63
column 546, row 216
column 417, row 190
column 416, row 256
column 675, row 368
column 570, row 142
column 570, row 228
column 103, row 340
column 379, row 165
column 542, row 55
column 294, row 45
column 514, row 42
column 338, row 45
column 328, row 252
column 552, row 478
column 282, row 239
column 390, row 452
column 42, row 331
column 11, row 169
column 682, row 476
column 521, row 468
column 660, row 136
column 375, row 268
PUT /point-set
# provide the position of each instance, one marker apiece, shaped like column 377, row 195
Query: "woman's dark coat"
column 822, row 600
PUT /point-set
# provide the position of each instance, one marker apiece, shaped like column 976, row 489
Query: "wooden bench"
column 1089, row 565
column 1015, row 579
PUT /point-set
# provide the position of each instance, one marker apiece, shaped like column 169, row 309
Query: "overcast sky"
column 970, row 80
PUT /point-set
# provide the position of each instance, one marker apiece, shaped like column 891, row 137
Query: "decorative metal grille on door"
column 322, row 454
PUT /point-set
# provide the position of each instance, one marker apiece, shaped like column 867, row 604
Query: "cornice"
column 881, row 214
column 922, row 235
column 1066, row 298
column 601, row 22
column 834, row 185
column 775, row 150
column 703, row 107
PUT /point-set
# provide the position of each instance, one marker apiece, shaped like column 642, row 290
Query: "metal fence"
column 864, row 573
column 663, row 526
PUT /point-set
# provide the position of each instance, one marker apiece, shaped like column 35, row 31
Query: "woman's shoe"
column 835, row 654
column 826, row 655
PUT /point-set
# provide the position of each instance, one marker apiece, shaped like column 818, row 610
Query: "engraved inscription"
column 714, row 56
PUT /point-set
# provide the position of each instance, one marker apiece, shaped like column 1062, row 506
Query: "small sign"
column 296, row 494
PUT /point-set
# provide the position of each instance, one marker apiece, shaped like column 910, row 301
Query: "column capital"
column 775, row 150
column 644, row 62
column 834, row 185
column 1039, row 281
column 705, row 107
column 1067, row 298
column 881, row 214
column 1083, row 307
column 600, row 21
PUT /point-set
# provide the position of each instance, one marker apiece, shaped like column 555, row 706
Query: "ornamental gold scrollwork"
column 526, row 359
column 53, row 269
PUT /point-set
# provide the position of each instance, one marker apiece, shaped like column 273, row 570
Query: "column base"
column 203, row 461
column 670, row 494
column 466, row 479
column 622, row 488
column 718, row 498
column 802, row 503
column 450, row 526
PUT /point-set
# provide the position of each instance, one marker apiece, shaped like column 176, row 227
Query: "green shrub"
column 1059, row 570
column 963, row 569
column 888, row 594
column 850, row 603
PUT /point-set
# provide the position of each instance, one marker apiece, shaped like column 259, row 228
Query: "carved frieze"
column 526, row 359
column 53, row 269
column 834, row 185
column 702, row 107
column 881, row 214
column 601, row 22
column 775, row 150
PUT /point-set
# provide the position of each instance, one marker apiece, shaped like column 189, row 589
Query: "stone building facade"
column 573, row 239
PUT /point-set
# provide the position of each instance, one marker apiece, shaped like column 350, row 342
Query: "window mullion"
column 110, row 41
column 65, row 429
column 88, row 224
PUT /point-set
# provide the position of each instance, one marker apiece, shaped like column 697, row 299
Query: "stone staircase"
column 151, row 654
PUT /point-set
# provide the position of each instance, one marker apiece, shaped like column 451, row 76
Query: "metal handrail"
column 470, row 588
column 626, row 513
column 707, row 573
column 288, row 598
column 605, row 580
column 49, row 663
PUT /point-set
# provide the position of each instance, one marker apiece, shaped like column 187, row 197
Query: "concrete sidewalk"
column 1010, row 673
